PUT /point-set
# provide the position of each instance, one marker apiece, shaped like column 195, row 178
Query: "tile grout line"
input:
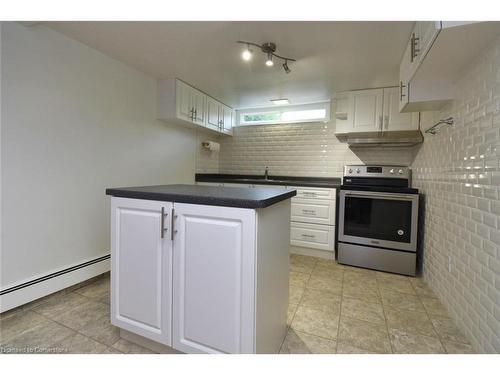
column 74, row 330
column 298, row 305
column 385, row 318
column 430, row 320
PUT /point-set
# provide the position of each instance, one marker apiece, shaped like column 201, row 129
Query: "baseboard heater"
column 31, row 290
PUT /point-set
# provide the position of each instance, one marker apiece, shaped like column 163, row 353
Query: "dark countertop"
column 206, row 195
column 325, row 182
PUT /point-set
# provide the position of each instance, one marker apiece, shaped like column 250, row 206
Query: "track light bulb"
column 247, row 54
column 269, row 61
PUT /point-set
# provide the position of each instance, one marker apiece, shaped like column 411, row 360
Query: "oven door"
column 378, row 219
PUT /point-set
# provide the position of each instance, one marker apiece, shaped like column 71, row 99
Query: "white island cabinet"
column 200, row 278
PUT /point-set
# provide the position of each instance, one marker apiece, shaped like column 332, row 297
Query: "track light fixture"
column 269, row 49
column 285, row 66
column 269, row 61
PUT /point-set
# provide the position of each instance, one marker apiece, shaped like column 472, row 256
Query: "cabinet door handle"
column 162, row 222
column 172, row 225
column 401, row 87
column 380, row 122
column 308, row 235
column 386, row 122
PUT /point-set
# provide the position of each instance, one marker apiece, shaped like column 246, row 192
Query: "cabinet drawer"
column 312, row 235
column 315, row 211
column 314, row 193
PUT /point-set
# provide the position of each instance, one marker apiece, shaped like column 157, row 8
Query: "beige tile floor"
column 340, row 309
column 75, row 320
column 333, row 309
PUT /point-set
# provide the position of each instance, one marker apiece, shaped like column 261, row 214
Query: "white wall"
column 458, row 170
column 73, row 122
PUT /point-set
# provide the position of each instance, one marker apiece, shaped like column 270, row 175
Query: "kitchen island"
column 200, row 269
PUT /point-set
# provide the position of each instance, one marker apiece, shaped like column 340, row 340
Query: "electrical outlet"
column 449, row 263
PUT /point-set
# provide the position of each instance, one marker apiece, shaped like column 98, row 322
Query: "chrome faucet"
column 266, row 173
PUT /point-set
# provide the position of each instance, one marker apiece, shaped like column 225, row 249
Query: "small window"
column 261, row 117
column 316, row 112
column 307, row 114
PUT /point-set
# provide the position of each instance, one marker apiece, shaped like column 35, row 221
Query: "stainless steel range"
column 378, row 218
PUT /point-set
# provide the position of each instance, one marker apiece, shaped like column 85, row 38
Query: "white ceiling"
column 331, row 56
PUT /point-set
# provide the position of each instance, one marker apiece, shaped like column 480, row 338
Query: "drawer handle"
column 308, row 235
column 309, row 193
column 309, row 212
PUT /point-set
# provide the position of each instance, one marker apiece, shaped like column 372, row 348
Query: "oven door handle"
column 382, row 196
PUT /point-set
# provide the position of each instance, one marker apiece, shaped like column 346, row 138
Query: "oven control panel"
column 388, row 171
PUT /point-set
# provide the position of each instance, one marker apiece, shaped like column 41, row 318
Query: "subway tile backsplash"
column 298, row 150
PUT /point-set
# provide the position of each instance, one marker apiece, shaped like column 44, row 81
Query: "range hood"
column 382, row 139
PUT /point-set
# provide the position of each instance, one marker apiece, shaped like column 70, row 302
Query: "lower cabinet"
column 186, row 275
column 141, row 264
column 312, row 218
column 214, row 279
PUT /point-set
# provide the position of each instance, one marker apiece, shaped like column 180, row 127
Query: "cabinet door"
column 214, row 256
column 199, row 103
column 141, row 268
column 428, row 31
column 393, row 119
column 227, row 118
column 213, row 118
column 366, row 110
column 414, row 51
column 183, row 100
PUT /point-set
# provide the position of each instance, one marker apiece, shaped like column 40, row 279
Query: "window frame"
column 240, row 113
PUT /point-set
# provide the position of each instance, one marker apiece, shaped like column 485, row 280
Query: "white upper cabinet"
column 198, row 102
column 184, row 108
column 393, row 119
column 227, row 119
column 180, row 103
column 190, row 103
column 435, row 57
column 365, row 110
column 375, row 110
column 213, row 118
column 219, row 116
column 421, row 39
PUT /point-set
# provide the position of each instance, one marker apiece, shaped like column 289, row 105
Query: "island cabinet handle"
column 172, row 225
column 162, row 222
